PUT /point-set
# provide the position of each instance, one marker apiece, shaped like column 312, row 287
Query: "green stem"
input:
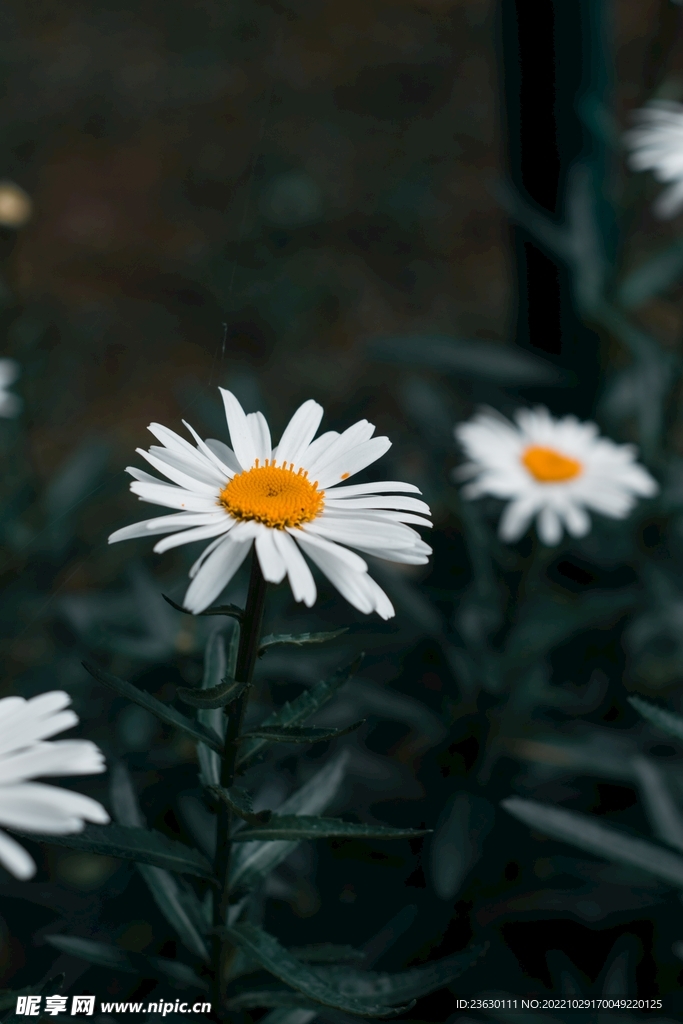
column 247, row 653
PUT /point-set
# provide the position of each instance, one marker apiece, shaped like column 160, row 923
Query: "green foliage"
column 290, row 826
column 298, row 639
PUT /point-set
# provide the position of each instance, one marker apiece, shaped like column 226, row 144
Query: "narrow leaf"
column 596, row 838
column 239, row 802
column 218, row 665
column 267, row 951
column 138, row 844
column 215, row 697
column 327, row 953
column 296, row 733
column 179, row 906
column 221, row 609
column 662, row 810
column 163, row 711
column 112, row 957
column 667, row 721
column 300, row 709
column 293, row 826
column 298, row 639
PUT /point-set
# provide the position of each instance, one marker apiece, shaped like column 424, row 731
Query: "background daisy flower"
column 30, row 806
column 549, row 469
column 656, row 145
column 10, row 404
column 289, row 501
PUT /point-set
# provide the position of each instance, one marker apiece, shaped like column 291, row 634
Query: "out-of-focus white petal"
column 15, row 859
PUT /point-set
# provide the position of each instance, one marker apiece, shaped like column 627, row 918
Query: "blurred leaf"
column 218, row 666
column 112, row 957
column 138, row 844
column 457, row 844
column 8, row 996
column 488, row 360
column 327, row 953
column 298, row 710
column 664, row 720
column 601, row 840
column 298, row 639
column 216, row 697
column 254, row 860
column 165, row 712
column 267, row 951
column 545, row 622
column 652, row 277
column 309, row 827
column 296, row 733
column 662, row 810
column 222, row 609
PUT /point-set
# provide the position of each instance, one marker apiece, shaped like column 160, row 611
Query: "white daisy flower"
column 10, row 404
column 656, row 145
column 29, row 806
column 551, row 470
column 285, row 500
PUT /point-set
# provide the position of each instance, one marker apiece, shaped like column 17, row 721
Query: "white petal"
column 315, row 449
column 241, row 435
column 9, row 372
column 270, row 559
column 299, row 432
column 165, row 524
column 174, row 442
column 348, row 581
column 312, row 542
column 179, row 476
column 35, row 807
column 549, row 526
column 224, row 454
column 381, row 602
column 197, row 468
column 378, row 487
column 515, row 519
column 227, row 467
column 346, row 464
column 376, row 516
column 577, row 520
column 140, row 474
column 300, row 576
column 175, row 540
column 404, row 556
column 391, row 501
column 15, row 858
column 261, row 435
column 353, row 436
column 216, row 572
column 173, row 497
column 349, row 531
column 61, row 757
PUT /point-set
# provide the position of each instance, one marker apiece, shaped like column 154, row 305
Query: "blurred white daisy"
column 10, row 404
column 29, row 806
column 656, row 144
column 549, row 469
column 286, row 500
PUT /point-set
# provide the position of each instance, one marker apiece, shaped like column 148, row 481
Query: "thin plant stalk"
column 247, row 653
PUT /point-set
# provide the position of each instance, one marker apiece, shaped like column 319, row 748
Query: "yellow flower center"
column 548, row 466
column 273, row 495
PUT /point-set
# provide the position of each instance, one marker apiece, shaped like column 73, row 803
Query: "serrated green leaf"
column 298, row 639
column 267, row 951
column 116, row 959
column 327, row 953
column 667, row 721
column 602, row 840
column 296, row 733
column 218, row 665
column 215, row 697
column 239, row 801
column 180, row 907
column 295, row 826
column 163, row 711
column 223, row 609
column 407, row 985
column 300, row 709
column 139, row 844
